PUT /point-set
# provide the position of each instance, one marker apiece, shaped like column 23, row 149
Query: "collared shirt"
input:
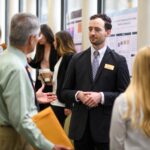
column 17, row 105
column 101, row 55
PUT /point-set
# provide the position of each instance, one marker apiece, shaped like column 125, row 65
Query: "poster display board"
column 74, row 26
column 123, row 38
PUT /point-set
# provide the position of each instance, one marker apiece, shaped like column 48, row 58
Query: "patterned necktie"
column 95, row 63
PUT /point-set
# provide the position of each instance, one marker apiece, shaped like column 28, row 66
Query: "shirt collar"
column 19, row 53
column 101, row 51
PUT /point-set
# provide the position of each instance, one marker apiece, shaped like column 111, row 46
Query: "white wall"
column 74, row 5
column 54, row 15
column 13, row 8
column 89, row 8
column 30, row 6
column 113, row 5
column 143, row 23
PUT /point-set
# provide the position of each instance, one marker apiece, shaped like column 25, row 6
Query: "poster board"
column 74, row 26
column 123, row 38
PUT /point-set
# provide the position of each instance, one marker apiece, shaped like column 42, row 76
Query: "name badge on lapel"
column 109, row 66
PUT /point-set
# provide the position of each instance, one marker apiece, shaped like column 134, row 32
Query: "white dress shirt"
column 55, row 74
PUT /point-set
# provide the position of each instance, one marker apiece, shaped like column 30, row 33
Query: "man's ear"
column 108, row 32
column 31, row 40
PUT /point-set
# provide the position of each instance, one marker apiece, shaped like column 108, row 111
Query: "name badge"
column 109, row 67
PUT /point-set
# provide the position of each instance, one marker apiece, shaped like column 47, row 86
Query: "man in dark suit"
column 93, row 91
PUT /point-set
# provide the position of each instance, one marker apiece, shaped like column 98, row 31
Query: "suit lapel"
column 89, row 65
column 103, row 62
column 60, row 70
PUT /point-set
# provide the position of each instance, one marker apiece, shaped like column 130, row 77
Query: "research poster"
column 123, row 38
column 74, row 26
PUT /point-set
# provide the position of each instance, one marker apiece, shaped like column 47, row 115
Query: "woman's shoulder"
column 68, row 56
column 121, row 103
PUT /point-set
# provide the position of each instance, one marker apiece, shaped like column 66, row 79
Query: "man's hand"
column 91, row 99
column 45, row 97
column 94, row 98
column 60, row 147
column 82, row 96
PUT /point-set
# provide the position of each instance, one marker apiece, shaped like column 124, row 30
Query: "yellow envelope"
column 109, row 66
column 47, row 122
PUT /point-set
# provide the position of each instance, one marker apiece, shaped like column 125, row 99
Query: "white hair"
column 22, row 26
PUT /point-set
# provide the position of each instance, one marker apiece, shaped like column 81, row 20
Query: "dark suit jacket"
column 61, row 76
column 109, row 81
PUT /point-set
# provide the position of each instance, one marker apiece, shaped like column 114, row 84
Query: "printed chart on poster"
column 124, row 35
column 74, row 26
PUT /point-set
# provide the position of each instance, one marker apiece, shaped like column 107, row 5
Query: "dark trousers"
column 59, row 112
column 87, row 142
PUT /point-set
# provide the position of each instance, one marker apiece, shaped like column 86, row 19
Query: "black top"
column 61, row 77
column 37, row 65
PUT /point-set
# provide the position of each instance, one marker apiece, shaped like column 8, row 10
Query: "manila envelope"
column 47, row 122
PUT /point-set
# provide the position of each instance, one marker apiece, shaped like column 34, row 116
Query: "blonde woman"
column 130, row 126
column 65, row 47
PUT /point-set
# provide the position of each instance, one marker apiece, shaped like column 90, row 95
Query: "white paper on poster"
column 124, row 34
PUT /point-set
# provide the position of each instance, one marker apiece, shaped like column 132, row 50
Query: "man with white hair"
column 17, row 97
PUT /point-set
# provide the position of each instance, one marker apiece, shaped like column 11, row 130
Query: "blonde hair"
column 139, row 89
column 65, row 43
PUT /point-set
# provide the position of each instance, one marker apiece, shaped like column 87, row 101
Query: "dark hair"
column 65, row 44
column 48, row 33
column 106, row 19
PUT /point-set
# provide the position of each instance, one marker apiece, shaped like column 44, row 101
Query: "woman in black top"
column 45, row 58
column 65, row 47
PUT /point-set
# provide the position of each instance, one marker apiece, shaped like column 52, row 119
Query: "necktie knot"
column 96, row 54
